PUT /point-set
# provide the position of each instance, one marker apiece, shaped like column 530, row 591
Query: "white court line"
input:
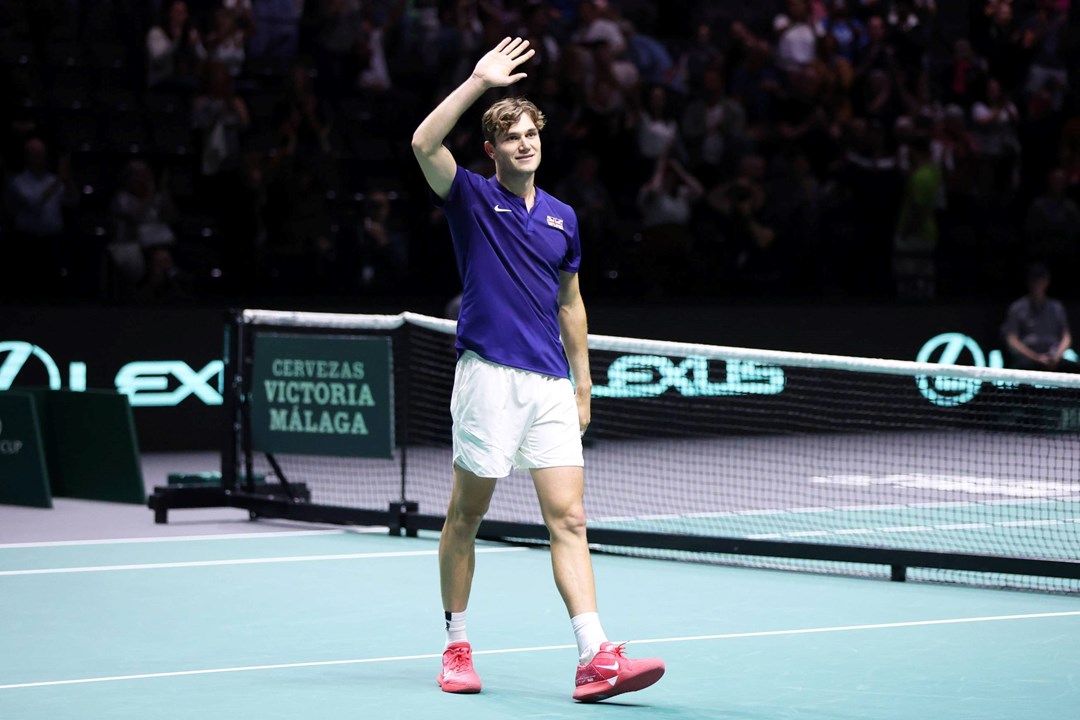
column 186, row 538
column 243, row 561
column 541, row 648
column 910, row 529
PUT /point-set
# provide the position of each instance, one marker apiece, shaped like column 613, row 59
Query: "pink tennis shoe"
column 611, row 673
column 458, row 675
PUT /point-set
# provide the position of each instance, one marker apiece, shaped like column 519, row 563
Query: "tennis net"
column 715, row 454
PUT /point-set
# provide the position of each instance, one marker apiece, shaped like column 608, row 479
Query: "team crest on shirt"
column 555, row 222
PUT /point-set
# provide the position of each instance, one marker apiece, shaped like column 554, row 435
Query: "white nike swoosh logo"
column 502, row 209
column 614, row 667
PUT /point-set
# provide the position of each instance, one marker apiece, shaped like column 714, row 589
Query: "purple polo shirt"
column 509, row 260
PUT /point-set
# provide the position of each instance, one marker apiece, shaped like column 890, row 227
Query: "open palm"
column 496, row 68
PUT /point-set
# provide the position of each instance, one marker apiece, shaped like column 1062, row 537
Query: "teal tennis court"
column 343, row 623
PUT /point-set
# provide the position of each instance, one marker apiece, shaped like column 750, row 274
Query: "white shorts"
column 506, row 418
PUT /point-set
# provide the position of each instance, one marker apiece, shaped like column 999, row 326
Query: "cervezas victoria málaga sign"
column 323, row 395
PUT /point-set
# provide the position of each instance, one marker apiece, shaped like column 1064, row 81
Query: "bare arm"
column 1018, row 345
column 575, row 338
column 495, row 69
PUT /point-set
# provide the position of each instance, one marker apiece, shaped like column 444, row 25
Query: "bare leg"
column 469, row 501
column 561, row 491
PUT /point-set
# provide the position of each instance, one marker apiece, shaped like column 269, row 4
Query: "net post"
column 898, row 573
column 398, row 517
column 403, row 407
column 244, row 363
column 231, row 383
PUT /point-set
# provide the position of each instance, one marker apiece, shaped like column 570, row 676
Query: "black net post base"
column 187, row 497
column 399, row 514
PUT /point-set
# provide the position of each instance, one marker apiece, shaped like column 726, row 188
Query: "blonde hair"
column 505, row 113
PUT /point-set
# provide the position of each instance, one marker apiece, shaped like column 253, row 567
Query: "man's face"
column 518, row 149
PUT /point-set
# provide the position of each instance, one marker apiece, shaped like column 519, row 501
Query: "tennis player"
column 513, row 404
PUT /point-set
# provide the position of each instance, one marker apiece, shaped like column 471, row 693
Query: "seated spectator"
column 174, row 50
column 35, row 200
column 142, row 238
column 1036, row 327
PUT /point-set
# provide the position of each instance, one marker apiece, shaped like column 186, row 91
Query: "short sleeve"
column 460, row 189
column 572, row 260
column 1011, row 326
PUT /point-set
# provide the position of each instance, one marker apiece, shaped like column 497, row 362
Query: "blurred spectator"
column 225, row 43
column 699, row 56
column 1044, row 35
column 837, row 77
column 339, row 44
column 758, row 261
column 174, row 50
column 584, row 191
column 908, row 22
column 876, row 53
column 599, row 27
column 1036, row 327
column 714, row 129
column 848, row 33
column 140, row 253
column 384, row 246
column 304, row 120
column 657, row 129
column 796, row 38
column 1053, row 226
column 995, row 121
column 278, row 31
column 35, row 200
column 1006, row 58
column 651, row 58
column 665, row 203
column 755, row 83
column 966, row 75
column 915, row 242
column 222, row 117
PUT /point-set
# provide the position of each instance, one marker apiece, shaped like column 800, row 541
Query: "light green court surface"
column 348, row 625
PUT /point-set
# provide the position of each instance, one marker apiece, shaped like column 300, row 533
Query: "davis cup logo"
column 950, row 349
column 8, row 447
column 18, row 353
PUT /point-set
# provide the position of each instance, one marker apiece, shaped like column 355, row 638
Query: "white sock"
column 589, row 635
column 455, row 627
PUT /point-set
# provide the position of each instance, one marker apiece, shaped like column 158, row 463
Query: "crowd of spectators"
column 803, row 148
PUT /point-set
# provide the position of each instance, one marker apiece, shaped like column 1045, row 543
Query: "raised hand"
column 496, row 68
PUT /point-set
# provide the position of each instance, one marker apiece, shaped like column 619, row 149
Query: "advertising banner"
column 323, row 395
column 24, row 477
